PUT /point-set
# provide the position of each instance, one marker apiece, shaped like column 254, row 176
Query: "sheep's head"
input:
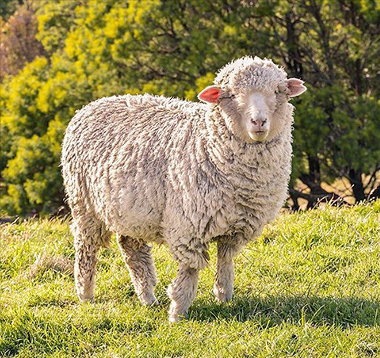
column 253, row 97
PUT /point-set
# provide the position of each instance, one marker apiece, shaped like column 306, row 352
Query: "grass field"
column 308, row 287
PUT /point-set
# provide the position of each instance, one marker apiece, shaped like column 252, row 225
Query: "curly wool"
column 248, row 72
column 170, row 171
column 165, row 170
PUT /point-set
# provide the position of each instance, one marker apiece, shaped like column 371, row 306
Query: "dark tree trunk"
column 294, row 197
column 313, row 178
column 355, row 177
column 294, row 61
column 313, row 181
column 323, row 197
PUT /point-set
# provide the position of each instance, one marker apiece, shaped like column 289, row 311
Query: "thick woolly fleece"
column 153, row 169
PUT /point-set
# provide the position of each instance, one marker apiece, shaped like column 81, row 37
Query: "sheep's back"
column 115, row 159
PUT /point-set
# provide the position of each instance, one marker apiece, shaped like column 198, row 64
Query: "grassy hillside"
column 308, row 287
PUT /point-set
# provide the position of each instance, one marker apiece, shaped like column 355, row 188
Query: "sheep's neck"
column 231, row 155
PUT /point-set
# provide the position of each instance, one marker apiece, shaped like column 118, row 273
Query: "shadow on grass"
column 274, row 310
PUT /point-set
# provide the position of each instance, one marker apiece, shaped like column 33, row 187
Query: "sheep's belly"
column 136, row 215
column 137, row 227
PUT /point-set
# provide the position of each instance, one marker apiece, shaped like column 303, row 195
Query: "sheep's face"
column 256, row 110
column 253, row 97
column 256, row 115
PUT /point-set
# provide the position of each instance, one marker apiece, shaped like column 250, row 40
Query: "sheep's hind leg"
column 223, row 287
column 89, row 235
column 140, row 264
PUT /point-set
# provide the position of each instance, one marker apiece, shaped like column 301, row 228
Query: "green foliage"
column 8, row 7
column 32, row 159
column 54, row 22
column 102, row 48
column 333, row 46
column 308, row 287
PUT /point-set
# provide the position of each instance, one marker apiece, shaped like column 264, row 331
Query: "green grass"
column 308, row 287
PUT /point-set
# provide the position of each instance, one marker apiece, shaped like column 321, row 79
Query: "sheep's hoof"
column 221, row 295
column 175, row 314
column 174, row 318
column 154, row 302
column 85, row 299
column 149, row 300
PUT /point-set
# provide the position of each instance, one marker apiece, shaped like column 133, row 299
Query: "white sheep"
column 153, row 169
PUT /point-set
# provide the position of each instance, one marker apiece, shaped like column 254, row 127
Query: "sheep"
column 163, row 170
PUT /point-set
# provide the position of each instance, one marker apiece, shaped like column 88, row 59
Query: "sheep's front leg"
column 192, row 256
column 182, row 292
column 223, row 287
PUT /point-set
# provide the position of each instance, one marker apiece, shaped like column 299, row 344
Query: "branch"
column 372, row 179
column 315, row 199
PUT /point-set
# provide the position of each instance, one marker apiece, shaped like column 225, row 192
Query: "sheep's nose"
column 260, row 122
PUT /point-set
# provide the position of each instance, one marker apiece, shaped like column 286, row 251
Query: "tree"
column 100, row 48
column 334, row 46
column 18, row 43
column 8, row 7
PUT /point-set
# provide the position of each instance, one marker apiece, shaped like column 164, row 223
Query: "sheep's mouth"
column 258, row 135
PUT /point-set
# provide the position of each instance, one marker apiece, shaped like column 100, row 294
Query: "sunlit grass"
column 308, row 287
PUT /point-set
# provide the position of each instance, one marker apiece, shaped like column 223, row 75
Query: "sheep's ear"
column 296, row 87
column 210, row 94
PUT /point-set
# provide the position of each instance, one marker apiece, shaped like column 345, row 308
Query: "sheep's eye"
column 228, row 95
column 281, row 97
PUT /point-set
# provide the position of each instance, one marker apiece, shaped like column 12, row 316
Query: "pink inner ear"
column 210, row 94
column 296, row 87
